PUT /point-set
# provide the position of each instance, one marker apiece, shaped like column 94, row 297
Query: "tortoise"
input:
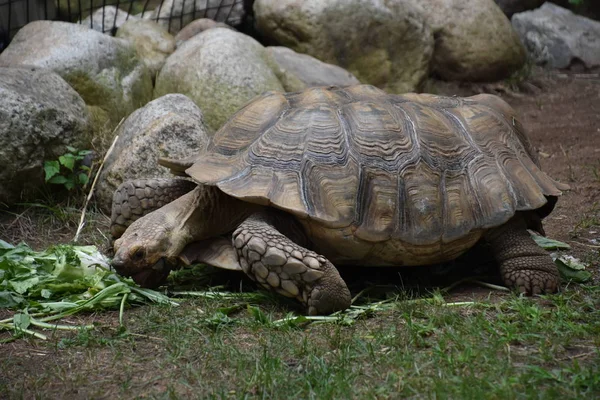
column 297, row 184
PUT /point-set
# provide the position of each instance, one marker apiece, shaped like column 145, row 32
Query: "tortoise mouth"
column 152, row 277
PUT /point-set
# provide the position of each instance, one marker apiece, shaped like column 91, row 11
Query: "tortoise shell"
column 360, row 166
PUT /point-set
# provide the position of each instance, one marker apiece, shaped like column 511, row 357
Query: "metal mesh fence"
column 107, row 15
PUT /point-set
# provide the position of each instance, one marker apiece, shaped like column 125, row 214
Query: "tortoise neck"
column 214, row 213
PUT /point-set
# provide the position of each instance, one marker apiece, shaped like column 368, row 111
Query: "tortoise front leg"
column 523, row 264
column 280, row 264
column 136, row 198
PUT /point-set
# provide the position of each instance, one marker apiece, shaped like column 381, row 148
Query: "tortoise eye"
column 138, row 254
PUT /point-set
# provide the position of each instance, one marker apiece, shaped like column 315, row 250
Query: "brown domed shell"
column 420, row 168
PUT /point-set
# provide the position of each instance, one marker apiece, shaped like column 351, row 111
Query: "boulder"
column 474, row 40
column 197, row 26
column 40, row 114
column 170, row 126
column 555, row 37
column 510, row 7
column 152, row 42
column 220, row 70
column 175, row 14
column 384, row 43
column 106, row 19
column 105, row 71
column 298, row 71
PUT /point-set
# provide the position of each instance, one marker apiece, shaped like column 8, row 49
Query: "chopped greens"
column 569, row 267
column 547, row 243
column 61, row 281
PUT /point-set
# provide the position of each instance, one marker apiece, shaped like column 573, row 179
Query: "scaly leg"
column 136, row 198
column 278, row 263
column 523, row 264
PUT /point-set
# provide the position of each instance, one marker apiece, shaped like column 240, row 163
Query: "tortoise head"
column 149, row 249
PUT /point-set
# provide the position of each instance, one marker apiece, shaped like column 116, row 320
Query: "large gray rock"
column 220, row 70
column 40, row 114
column 170, row 126
column 105, row 71
column 152, row 42
column 299, row 71
column 175, row 14
column 474, row 40
column 384, row 43
column 510, row 7
column 106, row 19
column 554, row 36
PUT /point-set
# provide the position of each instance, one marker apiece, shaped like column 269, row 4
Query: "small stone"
column 288, row 249
column 260, row 270
column 290, row 287
column 145, row 203
column 147, row 192
column 312, row 262
column 273, row 280
column 297, row 254
column 284, row 275
column 311, row 275
column 253, row 256
column 257, row 245
column 140, row 193
column 294, row 266
column 274, row 256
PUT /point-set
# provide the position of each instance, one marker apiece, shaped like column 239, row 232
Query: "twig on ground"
column 147, row 336
column 89, row 196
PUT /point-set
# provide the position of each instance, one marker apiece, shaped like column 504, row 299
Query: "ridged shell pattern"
column 421, row 169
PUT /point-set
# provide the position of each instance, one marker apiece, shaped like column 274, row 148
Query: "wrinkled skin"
column 148, row 259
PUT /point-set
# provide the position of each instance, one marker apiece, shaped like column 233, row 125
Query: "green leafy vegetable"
column 571, row 269
column 547, row 243
column 61, row 281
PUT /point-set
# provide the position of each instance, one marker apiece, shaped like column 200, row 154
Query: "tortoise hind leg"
column 523, row 264
column 136, row 198
column 275, row 261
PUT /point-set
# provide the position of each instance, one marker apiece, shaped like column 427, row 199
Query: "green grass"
column 501, row 347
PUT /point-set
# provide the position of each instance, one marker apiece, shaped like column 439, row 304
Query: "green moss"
column 374, row 68
column 288, row 80
column 106, row 96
